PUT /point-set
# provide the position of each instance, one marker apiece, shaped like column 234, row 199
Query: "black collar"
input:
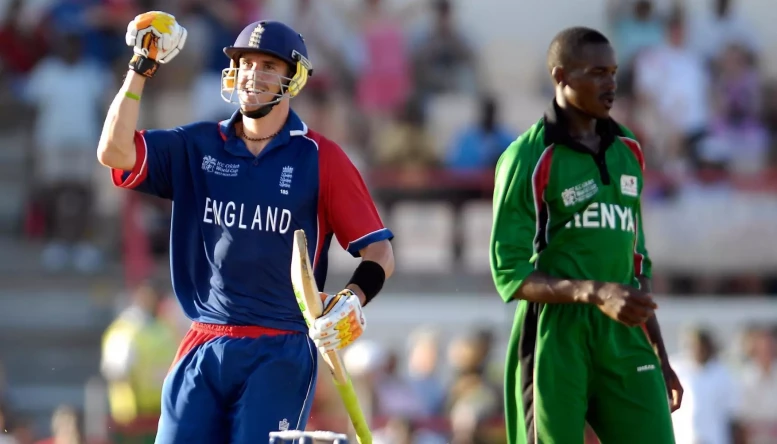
column 556, row 131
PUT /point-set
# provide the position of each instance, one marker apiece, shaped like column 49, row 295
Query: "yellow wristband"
column 131, row 95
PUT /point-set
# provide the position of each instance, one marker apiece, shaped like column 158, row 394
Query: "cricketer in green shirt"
column 567, row 244
column 565, row 212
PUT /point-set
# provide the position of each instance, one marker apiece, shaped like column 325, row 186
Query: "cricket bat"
column 311, row 305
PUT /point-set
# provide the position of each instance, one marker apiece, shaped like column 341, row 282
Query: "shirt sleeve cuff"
column 376, row 236
column 132, row 179
column 509, row 285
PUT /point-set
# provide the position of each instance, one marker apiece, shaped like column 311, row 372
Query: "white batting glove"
column 341, row 324
column 156, row 35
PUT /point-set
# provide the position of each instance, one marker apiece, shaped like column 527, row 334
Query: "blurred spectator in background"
column 394, row 396
column 711, row 399
column 138, row 349
column 66, row 427
column 335, row 48
column 326, row 111
column 478, row 147
column 713, row 30
column 443, row 61
column 391, row 394
column 396, row 431
column 758, row 412
column 219, row 21
column 68, row 92
column 473, row 400
column 493, row 371
column 672, row 87
column 423, row 372
column 385, row 83
column 406, row 405
column 405, row 144
column 101, row 24
column 23, row 46
column 712, row 164
column 736, row 123
column 635, row 29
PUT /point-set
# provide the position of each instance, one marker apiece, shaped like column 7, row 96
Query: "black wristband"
column 143, row 65
column 369, row 276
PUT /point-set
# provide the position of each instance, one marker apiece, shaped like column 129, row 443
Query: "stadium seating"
column 424, row 232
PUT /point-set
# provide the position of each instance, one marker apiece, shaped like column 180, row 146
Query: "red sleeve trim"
column 639, row 258
column 540, row 178
column 321, row 235
column 636, row 149
column 139, row 171
column 541, row 175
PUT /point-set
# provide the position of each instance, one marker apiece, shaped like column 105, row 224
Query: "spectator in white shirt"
column 68, row 92
column 711, row 395
column 719, row 27
column 759, row 389
column 672, row 84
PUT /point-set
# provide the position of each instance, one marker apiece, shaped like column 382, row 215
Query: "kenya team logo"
column 629, row 185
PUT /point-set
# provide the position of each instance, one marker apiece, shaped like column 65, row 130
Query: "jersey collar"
column 293, row 127
column 556, row 130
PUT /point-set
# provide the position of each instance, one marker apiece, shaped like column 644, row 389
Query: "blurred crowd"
column 369, row 90
column 691, row 86
column 433, row 389
column 386, row 76
column 693, row 90
column 450, row 391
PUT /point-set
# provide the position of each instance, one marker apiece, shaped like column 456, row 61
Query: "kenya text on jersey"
column 603, row 215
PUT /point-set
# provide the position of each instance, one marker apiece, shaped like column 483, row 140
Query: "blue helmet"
column 275, row 39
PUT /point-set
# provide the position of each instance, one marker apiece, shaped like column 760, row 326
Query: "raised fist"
column 156, row 35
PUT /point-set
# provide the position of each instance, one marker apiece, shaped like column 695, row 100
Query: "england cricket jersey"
column 234, row 215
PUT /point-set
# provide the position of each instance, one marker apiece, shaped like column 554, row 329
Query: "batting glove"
column 341, row 323
column 156, row 38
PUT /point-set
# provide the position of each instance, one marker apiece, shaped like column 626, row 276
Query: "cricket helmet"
column 275, row 39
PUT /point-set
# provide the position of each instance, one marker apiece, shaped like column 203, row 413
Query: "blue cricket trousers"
column 236, row 384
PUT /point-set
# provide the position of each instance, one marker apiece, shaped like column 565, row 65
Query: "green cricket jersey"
column 565, row 211
column 569, row 213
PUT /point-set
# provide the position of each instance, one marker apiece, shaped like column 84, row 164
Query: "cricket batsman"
column 240, row 188
column 567, row 245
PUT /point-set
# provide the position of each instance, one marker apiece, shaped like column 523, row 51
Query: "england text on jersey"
column 231, row 214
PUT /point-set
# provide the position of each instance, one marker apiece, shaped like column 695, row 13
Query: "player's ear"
column 558, row 75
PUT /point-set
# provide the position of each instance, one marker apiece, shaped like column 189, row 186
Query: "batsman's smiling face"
column 260, row 79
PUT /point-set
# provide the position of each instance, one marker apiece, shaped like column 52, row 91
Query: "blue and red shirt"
column 234, row 215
